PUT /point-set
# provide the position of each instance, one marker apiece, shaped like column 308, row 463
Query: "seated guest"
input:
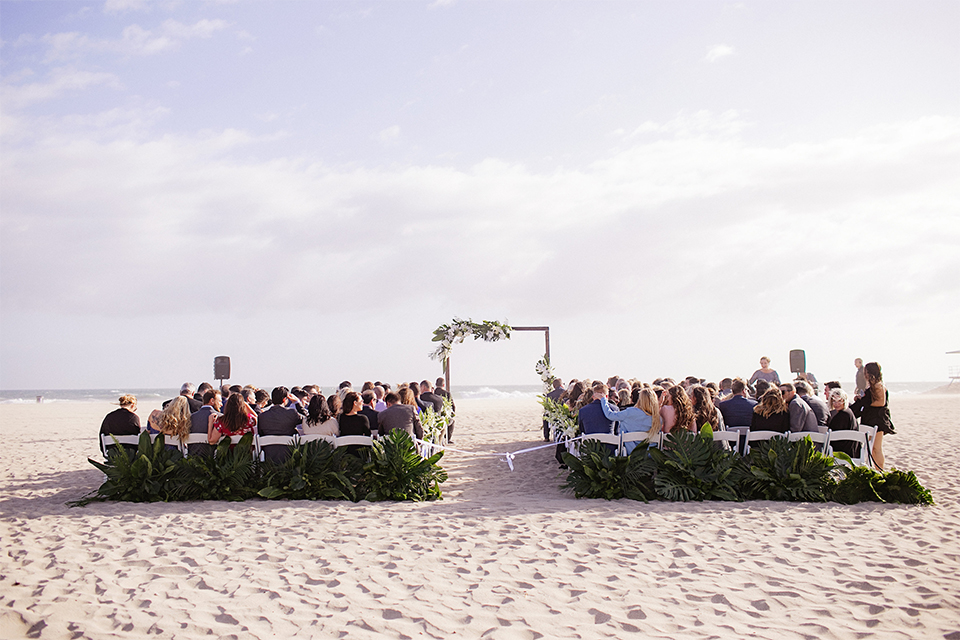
column 202, row 389
column 802, row 417
column 369, row 399
column 352, row 422
column 842, row 419
column 760, row 388
column 320, row 419
column 122, row 422
column 186, row 391
column 278, row 420
column 429, row 398
column 237, row 419
column 408, row 398
column 623, row 398
column 726, row 388
column 644, row 416
column 737, row 410
column 399, row 416
column 200, row 421
column 676, row 410
column 591, row 418
column 380, row 405
column 818, row 406
column 173, row 422
column 704, row 410
column 771, row 413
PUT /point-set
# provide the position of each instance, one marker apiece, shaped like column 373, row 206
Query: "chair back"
column 849, row 435
column 606, row 438
column 363, row 441
column 311, row 437
column 760, row 436
column 730, row 439
column 106, row 440
column 632, row 436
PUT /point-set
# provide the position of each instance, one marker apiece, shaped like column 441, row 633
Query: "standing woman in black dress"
column 873, row 409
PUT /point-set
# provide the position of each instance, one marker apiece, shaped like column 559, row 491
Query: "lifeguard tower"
column 953, row 372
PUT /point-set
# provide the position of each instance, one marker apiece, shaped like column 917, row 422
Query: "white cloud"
column 134, row 40
column 683, row 224
column 389, row 135
column 717, row 52
column 123, row 6
column 59, row 82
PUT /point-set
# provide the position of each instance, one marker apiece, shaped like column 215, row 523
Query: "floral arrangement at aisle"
column 545, row 371
column 458, row 330
column 560, row 418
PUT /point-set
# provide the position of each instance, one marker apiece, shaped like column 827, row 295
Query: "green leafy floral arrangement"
column 458, row 330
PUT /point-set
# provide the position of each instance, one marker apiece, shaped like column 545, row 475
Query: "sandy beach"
column 504, row 555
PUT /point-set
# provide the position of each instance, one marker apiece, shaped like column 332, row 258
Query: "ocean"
column 478, row 392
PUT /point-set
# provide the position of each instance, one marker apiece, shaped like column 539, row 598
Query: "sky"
column 312, row 188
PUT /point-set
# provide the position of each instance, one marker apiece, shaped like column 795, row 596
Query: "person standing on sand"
column 873, row 409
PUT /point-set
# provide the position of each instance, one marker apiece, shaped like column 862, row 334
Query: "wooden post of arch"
column 546, row 352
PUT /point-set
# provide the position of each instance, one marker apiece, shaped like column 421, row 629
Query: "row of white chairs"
column 731, row 440
column 258, row 441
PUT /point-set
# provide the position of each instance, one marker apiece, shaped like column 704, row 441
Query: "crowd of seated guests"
column 761, row 404
column 234, row 410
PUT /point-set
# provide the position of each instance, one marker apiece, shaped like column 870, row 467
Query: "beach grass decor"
column 863, row 484
column 397, row 472
column 777, row 469
column 143, row 476
column 903, row 487
column 314, row 471
column 598, row 473
column 690, row 467
column 229, row 474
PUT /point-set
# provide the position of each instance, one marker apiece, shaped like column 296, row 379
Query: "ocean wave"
column 491, row 393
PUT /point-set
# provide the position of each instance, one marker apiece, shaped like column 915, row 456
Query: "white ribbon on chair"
column 507, row 456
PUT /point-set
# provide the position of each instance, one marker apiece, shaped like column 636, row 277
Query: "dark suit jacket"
column 737, row 411
column 592, row 420
column 400, row 416
column 432, row 399
column 277, row 421
column 372, row 418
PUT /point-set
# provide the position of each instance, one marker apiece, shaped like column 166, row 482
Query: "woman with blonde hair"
column 407, row 397
column 644, row 416
column 173, row 422
column 771, row 413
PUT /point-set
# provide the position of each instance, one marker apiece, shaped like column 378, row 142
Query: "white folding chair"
column 871, row 435
column 259, row 442
column 606, row 438
column 311, row 437
column 633, row 436
column 168, row 440
column 363, row 441
column 818, row 438
column 760, row 436
column 107, row 441
column 730, row 439
column 849, row 435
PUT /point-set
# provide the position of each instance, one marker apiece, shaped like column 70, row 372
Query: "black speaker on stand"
column 798, row 361
column 221, row 368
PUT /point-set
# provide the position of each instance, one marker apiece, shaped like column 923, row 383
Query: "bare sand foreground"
column 504, row 555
